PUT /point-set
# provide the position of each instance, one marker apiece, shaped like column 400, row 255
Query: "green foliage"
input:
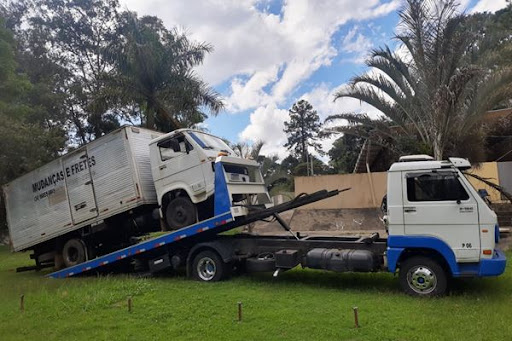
column 302, row 129
column 344, row 152
column 28, row 137
column 434, row 91
column 246, row 151
column 153, row 70
column 111, row 66
column 72, row 35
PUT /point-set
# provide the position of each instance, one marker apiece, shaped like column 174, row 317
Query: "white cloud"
column 357, row 44
column 266, row 56
column 489, row 6
column 256, row 43
column 307, row 28
column 267, row 124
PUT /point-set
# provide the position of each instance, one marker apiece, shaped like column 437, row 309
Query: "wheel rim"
column 206, row 269
column 421, row 279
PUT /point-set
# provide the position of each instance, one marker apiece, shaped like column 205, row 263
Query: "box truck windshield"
column 210, row 142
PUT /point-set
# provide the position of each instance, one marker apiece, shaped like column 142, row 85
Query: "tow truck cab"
column 433, row 209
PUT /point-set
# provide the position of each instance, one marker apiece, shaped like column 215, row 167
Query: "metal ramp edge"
column 144, row 246
column 220, row 223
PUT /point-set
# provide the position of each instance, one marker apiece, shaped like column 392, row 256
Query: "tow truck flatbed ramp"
column 220, row 223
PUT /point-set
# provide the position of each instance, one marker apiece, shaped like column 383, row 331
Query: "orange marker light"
column 487, row 252
column 485, row 231
column 222, row 154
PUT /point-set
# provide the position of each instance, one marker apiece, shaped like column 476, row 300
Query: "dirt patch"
column 345, row 221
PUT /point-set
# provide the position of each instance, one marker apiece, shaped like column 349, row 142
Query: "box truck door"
column 179, row 164
column 80, row 188
column 437, row 203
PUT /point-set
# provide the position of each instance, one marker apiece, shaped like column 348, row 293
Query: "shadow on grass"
column 370, row 282
column 379, row 282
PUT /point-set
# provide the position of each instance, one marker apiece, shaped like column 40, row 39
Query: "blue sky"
column 270, row 53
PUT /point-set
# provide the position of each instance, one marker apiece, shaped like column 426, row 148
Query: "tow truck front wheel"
column 423, row 276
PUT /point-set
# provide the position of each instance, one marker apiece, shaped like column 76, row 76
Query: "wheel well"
column 430, row 253
column 167, row 197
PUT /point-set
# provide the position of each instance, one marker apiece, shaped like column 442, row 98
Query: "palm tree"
column 243, row 150
column 429, row 90
column 153, row 68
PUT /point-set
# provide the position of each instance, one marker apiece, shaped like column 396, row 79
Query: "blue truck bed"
column 145, row 246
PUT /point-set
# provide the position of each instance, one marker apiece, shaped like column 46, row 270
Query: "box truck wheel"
column 423, row 276
column 74, row 252
column 180, row 212
column 208, row 267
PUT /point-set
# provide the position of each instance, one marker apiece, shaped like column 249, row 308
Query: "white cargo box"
column 108, row 176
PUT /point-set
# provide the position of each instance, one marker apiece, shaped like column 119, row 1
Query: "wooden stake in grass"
column 356, row 317
column 239, row 311
column 22, row 303
column 129, row 304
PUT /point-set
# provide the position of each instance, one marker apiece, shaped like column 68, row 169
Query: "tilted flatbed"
column 220, row 223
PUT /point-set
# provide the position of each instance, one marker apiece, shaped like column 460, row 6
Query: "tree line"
column 71, row 71
column 433, row 91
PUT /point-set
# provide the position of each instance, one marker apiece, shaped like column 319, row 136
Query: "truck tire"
column 180, row 212
column 74, row 252
column 208, row 267
column 423, row 276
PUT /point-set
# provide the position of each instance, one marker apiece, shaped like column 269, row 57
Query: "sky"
column 268, row 54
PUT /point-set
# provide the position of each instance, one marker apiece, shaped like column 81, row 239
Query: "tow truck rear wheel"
column 74, row 252
column 423, row 276
column 209, row 267
column 180, row 212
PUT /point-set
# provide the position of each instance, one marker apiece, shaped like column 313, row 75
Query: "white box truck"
column 95, row 199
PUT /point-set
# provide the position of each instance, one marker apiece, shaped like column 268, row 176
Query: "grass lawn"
column 299, row 305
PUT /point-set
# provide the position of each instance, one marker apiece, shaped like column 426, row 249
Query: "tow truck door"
column 437, row 204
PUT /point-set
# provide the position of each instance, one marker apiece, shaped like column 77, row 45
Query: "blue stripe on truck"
column 486, row 267
column 145, row 246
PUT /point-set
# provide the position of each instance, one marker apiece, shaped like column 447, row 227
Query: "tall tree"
column 74, row 34
column 344, row 152
column 28, row 137
column 433, row 91
column 246, row 151
column 154, row 70
column 302, row 129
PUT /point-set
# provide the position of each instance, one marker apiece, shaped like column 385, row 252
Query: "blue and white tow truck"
column 438, row 228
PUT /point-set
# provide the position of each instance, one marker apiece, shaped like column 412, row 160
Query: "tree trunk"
column 438, row 147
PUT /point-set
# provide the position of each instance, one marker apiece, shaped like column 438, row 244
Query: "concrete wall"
column 360, row 196
column 488, row 170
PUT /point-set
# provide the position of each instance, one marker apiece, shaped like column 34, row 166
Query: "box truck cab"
column 183, row 168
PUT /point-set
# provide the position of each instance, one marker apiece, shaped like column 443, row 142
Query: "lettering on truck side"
column 56, row 178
